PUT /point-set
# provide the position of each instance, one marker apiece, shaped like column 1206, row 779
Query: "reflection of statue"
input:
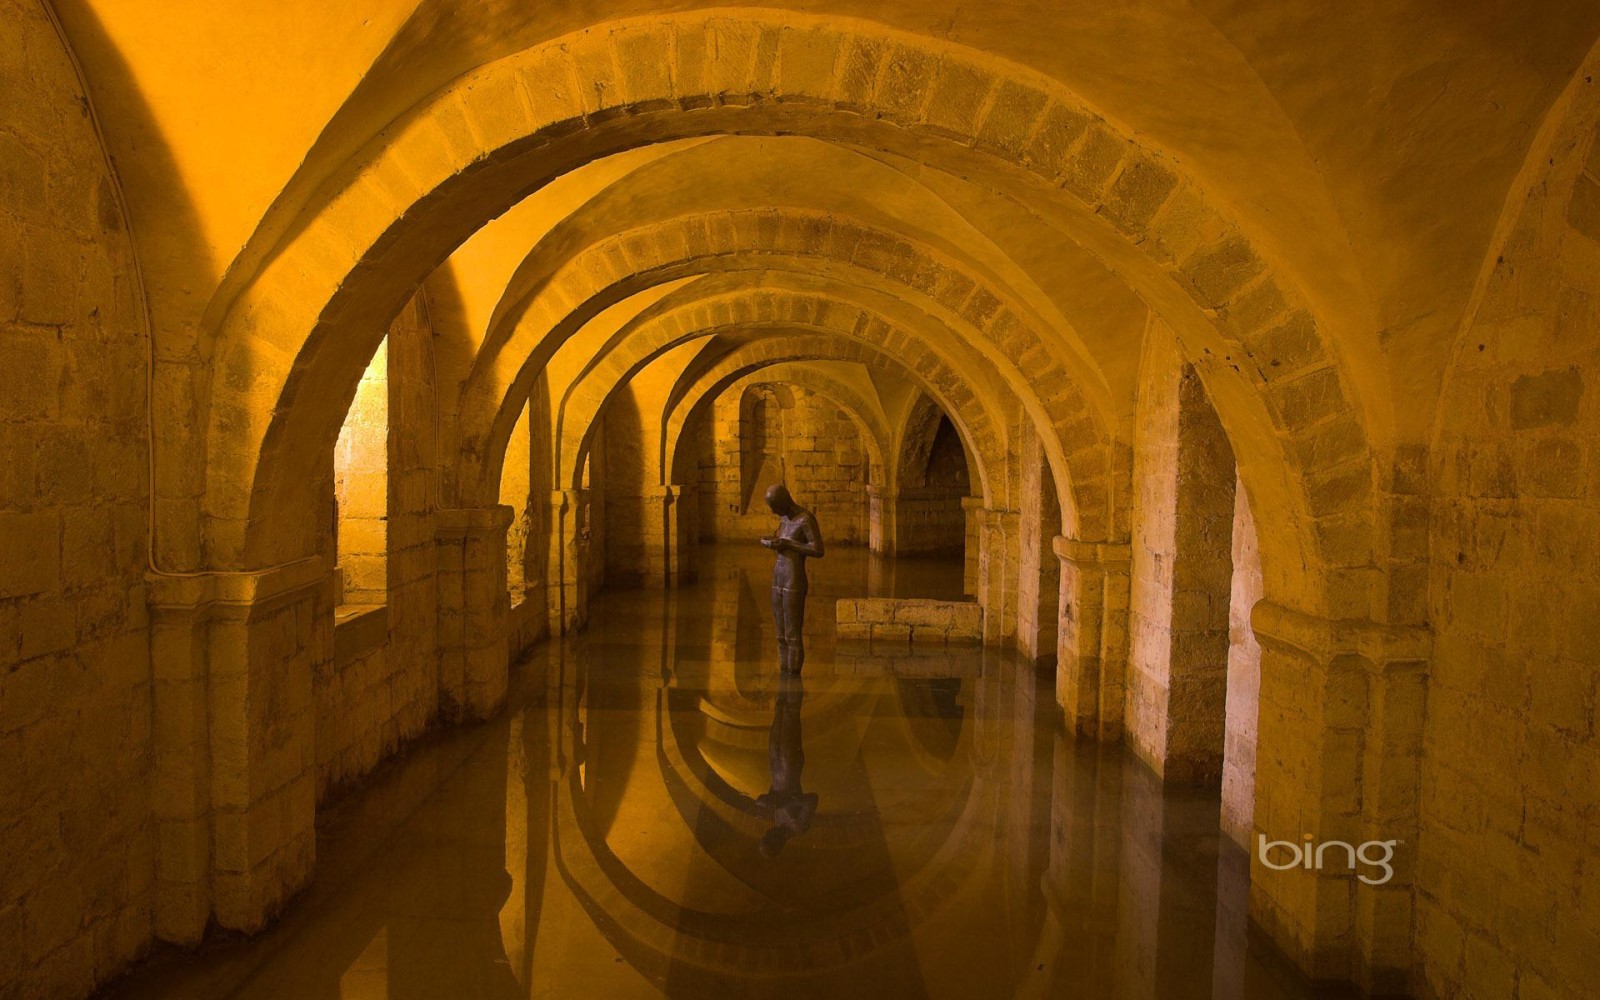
column 792, row 808
column 797, row 538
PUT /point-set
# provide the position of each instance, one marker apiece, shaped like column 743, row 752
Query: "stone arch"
column 931, row 518
column 526, row 331
column 1511, row 501
column 754, row 311
column 761, row 354
column 914, row 441
column 472, row 147
column 867, row 417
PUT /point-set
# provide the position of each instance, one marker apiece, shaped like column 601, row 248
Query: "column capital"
column 1082, row 553
column 462, row 521
column 1376, row 643
column 234, row 588
column 561, row 500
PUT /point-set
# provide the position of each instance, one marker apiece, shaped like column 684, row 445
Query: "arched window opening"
column 934, row 480
column 361, row 492
column 515, row 485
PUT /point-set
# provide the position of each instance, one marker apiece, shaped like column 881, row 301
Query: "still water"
column 658, row 812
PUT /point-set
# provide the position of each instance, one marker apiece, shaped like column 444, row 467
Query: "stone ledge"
column 358, row 629
column 908, row 621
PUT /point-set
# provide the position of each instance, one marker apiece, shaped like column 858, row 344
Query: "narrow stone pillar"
column 1000, row 531
column 235, row 775
column 972, row 511
column 686, row 519
column 1092, row 641
column 474, row 611
column 1341, row 732
column 882, row 507
column 663, row 561
column 569, row 543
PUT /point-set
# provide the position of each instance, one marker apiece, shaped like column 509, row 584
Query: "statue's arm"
column 813, row 538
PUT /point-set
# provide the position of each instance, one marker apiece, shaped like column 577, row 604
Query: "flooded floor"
column 659, row 813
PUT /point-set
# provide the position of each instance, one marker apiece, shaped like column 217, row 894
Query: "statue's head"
column 779, row 500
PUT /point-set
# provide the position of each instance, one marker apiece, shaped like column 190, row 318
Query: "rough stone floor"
column 657, row 812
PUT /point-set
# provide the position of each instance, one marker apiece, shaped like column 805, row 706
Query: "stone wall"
column 1039, row 582
column 1182, row 572
column 634, row 530
column 77, row 842
column 380, row 686
column 798, row 436
column 1507, row 896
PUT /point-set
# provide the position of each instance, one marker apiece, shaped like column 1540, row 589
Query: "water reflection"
column 661, row 812
column 792, row 806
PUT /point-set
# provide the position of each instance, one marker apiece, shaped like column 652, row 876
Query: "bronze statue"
column 792, row 807
column 797, row 539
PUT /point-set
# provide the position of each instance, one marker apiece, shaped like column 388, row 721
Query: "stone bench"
column 908, row 621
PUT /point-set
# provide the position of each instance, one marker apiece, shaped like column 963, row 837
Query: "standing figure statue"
column 797, row 539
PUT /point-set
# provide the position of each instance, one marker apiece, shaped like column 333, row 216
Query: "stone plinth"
column 909, row 622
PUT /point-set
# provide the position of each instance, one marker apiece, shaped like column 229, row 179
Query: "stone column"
column 997, row 575
column 569, row 543
column 1341, row 740
column 1092, row 641
column 235, row 776
column 474, row 610
column 972, row 510
column 663, row 559
column 882, row 508
column 686, row 520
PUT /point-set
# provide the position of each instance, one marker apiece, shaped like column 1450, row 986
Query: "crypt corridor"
column 1194, row 395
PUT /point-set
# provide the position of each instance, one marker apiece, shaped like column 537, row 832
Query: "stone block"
column 805, row 64
column 30, row 380
column 1010, row 120
column 52, row 274
column 891, row 633
column 1091, row 164
column 1583, row 211
column 1547, row 399
column 1138, row 193
column 30, row 554
column 926, row 614
column 1310, row 399
column 1220, row 270
column 959, row 92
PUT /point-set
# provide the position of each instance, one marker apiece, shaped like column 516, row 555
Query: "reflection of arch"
column 650, row 928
